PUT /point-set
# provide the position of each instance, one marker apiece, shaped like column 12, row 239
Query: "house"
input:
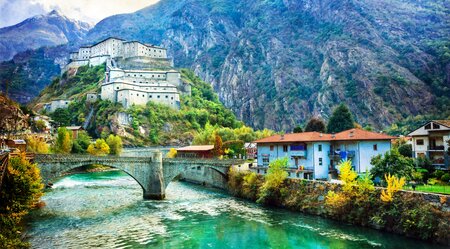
column 315, row 155
column 431, row 140
column 75, row 130
column 196, row 151
column 19, row 144
column 251, row 151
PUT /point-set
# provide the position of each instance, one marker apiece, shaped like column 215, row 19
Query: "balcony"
column 436, row 148
column 337, row 154
column 298, row 153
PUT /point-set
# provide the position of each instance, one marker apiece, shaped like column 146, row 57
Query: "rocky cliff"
column 276, row 63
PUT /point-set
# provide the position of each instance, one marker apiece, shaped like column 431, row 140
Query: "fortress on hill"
column 136, row 73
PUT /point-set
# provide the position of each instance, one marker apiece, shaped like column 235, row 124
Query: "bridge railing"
column 227, row 162
column 4, row 159
column 85, row 157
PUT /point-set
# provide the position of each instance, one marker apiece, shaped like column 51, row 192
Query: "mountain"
column 276, row 63
column 39, row 31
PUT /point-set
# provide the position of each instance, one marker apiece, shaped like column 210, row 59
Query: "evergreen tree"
column 315, row 124
column 298, row 129
column 340, row 120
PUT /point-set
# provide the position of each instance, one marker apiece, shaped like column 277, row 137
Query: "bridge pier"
column 155, row 188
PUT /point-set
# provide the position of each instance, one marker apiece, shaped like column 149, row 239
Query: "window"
column 271, row 148
column 285, row 148
column 150, row 96
column 297, row 147
column 265, row 160
column 419, row 141
column 319, row 147
column 436, row 126
column 159, row 96
column 117, row 88
column 428, row 127
column 167, row 97
column 375, row 147
column 320, row 161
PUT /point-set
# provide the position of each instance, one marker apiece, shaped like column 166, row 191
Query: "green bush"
column 446, row 178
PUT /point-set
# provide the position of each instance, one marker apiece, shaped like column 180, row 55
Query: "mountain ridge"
column 50, row 29
column 277, row 63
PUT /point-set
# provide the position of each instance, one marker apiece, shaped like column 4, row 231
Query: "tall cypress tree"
column 340, row 120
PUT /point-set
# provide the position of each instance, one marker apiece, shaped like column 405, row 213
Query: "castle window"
column 150, row 96
column 171, row 98
column 167, row 97
column 117, row 88
column 159, row 96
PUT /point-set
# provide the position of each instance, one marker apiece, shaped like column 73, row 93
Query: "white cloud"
column 92, row 11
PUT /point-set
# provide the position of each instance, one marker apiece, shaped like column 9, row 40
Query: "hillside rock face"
column 276, row 63
column 40, row 31
column 13, row 118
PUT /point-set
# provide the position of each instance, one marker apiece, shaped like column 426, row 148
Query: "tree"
column 274, row 180
column 298, row 129
column 218, row 146
column 40, row 126
column 37, row 145
column 99, row 148
column 115, row 144
column 315, row 124
column 64, row 141
column 340, row 120
column 20, row 192
column 405, row 150
column 82, row 142
column 61, row 116
column 392, row 163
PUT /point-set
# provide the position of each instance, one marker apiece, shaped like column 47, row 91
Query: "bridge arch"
column 152, row 173
column 52, row 178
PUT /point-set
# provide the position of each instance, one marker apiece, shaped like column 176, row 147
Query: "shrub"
column 438, row 174
column 172, row 153
column 99, row 148
column 273, row 181
column 446, row 178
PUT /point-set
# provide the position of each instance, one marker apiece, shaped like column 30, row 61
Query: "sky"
column 91, row 11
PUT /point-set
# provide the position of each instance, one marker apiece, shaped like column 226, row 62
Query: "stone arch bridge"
column 153, row 173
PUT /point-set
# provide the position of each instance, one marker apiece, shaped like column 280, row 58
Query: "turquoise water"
column 106, row 210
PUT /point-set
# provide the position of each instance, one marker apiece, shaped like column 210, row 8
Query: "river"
column 106, row 210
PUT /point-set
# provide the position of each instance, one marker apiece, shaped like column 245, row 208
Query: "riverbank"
column 415, row 215
column 106, row 210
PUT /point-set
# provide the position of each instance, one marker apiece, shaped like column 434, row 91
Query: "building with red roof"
column 315, row 155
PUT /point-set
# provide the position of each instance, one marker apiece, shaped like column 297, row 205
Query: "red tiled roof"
column 197, row 148
column 348, row 135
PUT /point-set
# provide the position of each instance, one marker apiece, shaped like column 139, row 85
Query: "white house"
column 315, row 155
column 431, row 140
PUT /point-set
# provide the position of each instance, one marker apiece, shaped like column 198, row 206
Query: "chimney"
column 321, row 135
column 351, row 134
column 282, row 137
